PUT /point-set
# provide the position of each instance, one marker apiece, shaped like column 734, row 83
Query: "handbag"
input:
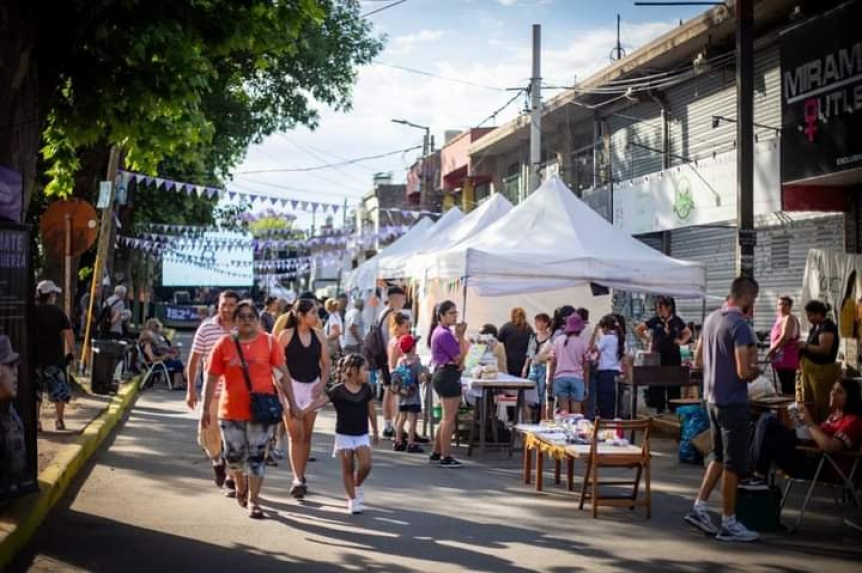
column 266, row 408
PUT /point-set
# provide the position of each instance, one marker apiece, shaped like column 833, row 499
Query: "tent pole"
column 464, row 298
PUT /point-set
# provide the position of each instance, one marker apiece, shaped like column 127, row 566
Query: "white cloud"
column 401, row 45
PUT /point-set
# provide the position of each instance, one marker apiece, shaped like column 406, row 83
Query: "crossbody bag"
column 266, row 408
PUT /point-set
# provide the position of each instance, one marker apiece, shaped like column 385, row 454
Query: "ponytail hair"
column 346, row 364
column 302, row 307
column 439, row 310
column 611, row 323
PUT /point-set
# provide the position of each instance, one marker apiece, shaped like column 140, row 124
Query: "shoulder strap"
column 242, row 361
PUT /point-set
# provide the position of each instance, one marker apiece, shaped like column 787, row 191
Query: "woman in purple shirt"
column 447, row 356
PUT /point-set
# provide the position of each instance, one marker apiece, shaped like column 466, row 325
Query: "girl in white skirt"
column 353, row 400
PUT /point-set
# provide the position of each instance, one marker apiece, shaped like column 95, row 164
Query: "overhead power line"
column 439, row 77
column 331, row 165
column 382, row 8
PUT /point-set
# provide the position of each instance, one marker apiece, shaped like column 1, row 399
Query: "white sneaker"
column 360, row 496
column 353, row 506
column 700, row 519
column 735, row 531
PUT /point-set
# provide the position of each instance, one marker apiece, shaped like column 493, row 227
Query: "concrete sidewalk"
column 61, row 456
column 148, row 504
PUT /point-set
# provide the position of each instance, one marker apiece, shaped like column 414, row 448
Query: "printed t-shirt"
column 261, row 354
column 351, row 409
column 569, row 357
column 664, row 333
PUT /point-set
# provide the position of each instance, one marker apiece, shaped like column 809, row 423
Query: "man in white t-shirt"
column 354, row 329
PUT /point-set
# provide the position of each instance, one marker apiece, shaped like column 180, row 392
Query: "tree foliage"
column 193, row 83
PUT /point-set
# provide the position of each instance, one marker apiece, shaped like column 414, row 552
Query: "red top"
column 847, row 428
column 261, row 354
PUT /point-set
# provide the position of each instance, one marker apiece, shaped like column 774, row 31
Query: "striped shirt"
column 207, row 335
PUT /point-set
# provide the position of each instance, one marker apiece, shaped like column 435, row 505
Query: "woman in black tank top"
column 307, row 359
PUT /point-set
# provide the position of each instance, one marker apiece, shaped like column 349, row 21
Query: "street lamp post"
column 426, row 148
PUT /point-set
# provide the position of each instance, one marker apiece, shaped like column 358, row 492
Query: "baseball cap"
column 407, row 342
column 47, row 287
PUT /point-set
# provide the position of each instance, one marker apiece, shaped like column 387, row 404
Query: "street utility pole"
column 103, row 250
column 536, row 111
column 747, row 236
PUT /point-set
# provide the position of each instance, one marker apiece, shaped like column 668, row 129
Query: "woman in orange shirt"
column 245, row 441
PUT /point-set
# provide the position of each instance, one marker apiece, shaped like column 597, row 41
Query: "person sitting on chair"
column 776, row 443
column 157, row 348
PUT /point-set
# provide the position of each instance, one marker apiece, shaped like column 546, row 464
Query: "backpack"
column 403, row 381
column 374, row 346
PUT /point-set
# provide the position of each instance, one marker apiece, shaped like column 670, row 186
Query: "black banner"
column 18, row 461
column 821, row 96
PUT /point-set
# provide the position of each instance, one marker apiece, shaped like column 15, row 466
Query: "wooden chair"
column 632, row 457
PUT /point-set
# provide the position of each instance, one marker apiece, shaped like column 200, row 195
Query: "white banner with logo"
column 697, row 193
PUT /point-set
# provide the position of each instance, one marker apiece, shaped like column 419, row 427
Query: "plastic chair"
column 153, row 368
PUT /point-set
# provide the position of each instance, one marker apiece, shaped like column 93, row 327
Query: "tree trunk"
column 21, row 116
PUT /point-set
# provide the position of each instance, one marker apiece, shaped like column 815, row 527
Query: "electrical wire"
column 382, row 8
column 331, row 165
column 501, row 108
column 439, row 77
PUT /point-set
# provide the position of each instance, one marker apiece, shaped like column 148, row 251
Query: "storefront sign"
column 191, row 314
column 693, row 194
column 18, row 462
column 821, row 95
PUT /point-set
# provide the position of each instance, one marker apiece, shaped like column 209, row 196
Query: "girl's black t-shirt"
column 351, row 409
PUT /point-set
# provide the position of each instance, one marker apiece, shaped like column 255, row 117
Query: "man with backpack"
column 110, row 320
column 376, row 353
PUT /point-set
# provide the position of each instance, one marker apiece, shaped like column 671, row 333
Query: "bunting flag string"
column 411, row 213
column 253, row 198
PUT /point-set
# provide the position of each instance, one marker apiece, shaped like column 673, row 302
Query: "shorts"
column 410, row 408
column 447, row 381
column 244, row 445
column 569, row 388
column 52, row 379
column 731, row 432
column 302, row 393
column 344, row 442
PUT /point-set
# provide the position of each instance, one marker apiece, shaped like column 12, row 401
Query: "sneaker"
column 353, row 506
column 421, row 439
column 754, row 484
column 219, row 474
column 297, row 491
column 434, row 457
column 360, row 497
column 700, row 519
column 415, row 449
column 399, row 447
column 735, row 531
column 389, row 433
column 449, row 462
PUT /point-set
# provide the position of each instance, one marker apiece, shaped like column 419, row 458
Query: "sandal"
column 255, row 512
column 59, row 425
column 242, row 498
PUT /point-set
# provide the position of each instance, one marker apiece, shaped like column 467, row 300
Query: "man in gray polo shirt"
column 727, row 353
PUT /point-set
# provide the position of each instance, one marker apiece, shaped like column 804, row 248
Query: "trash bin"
column 106, row 355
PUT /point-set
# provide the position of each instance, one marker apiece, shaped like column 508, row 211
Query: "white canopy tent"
column 545, row 253
column 476, row 221
column 554, row 240
column 392, row 264
column 364, row 277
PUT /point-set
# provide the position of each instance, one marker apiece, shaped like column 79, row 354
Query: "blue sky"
column 485, row 42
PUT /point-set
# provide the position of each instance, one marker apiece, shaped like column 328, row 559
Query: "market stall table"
column 654, row 376
column 483, row 389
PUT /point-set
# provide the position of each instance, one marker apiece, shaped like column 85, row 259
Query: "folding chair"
column 153, row 369
column 844, row 481
column 631, row 457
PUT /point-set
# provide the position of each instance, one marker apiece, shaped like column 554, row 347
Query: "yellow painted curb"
column 23, row 516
